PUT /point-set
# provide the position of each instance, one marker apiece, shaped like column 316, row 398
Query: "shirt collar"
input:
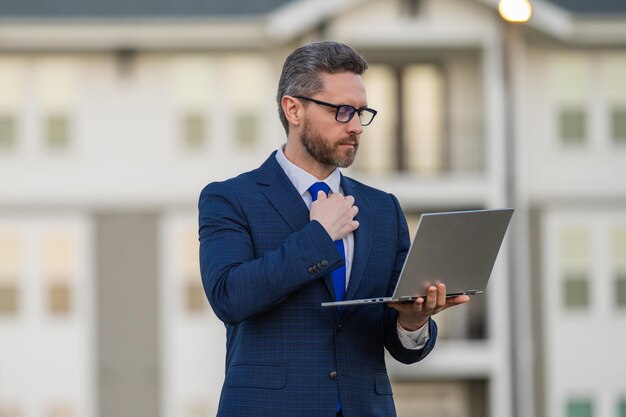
column 301, row 179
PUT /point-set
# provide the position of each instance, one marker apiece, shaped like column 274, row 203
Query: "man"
column 274, row 246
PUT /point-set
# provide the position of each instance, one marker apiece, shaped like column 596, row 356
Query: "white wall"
column 47, row 360
column 555, row 170
column 193, row 343
column 125, row 145
column 583, row 346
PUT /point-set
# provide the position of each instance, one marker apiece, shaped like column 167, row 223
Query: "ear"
column 293, row 110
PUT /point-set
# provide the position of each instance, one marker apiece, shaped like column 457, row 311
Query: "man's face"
column 326, row 151
column 327, row 141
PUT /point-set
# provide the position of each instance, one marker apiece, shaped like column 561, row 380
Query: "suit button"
column 319, row 265
column 338, row 328
column 324, row 262
column 311, row 270
column 333, row 375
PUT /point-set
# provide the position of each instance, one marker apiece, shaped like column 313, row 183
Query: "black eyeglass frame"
column 337, row 107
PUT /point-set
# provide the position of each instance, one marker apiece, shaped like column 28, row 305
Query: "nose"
column 354, row 125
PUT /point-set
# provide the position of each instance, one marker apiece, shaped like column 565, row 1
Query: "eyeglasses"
column 345, row 112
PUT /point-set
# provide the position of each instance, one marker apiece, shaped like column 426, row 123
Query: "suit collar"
column 301, row 179
column 269, row 170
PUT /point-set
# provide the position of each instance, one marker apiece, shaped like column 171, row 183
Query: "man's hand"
column 412, row 316
column 335, row 213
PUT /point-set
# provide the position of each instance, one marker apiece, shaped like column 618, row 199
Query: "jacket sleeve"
column 237, row 283
column 392, row 341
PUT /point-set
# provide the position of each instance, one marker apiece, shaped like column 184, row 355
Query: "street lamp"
column 518, row 11
column 514, row 12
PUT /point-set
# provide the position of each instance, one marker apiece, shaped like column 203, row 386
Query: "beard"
column 326, row 153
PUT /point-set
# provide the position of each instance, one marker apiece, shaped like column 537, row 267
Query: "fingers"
column 337, row 199
column 455, row 301
column 349, row 228
column 336, row 214
column 441, row 295
column 435, row 300
column 412, row 316
column 431, row 298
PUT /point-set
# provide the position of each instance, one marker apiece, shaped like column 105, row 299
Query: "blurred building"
column 114, row 115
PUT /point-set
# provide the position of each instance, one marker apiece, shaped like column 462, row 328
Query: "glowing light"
column 518, row 11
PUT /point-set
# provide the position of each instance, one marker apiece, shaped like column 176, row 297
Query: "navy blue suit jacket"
column 266, row 268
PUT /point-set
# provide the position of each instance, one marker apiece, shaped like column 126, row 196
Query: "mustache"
column 350, row 140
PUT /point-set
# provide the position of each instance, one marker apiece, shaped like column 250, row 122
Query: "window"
column 572, row 125
column 615, row 91
column 194, row 299
column 57, row 131
column 424, row 118
column 424, row 126
column 194, row 130
column 56, row 85
column 8, row 298
column 247, row 129
column 377, row 148
column 618, row 124
column 12, row 82
column 579, row 408
column 10, row 262
column 59, row 263
column 570, row 83
column 7, row 132
column 193, row 86
column 409, row 135
column 59, row 298
column 620, row 289
column 410, row 8
column 621, row 408
column 619, row 266
column 459, row 398
column 575, row 260
column 245, row 83
column 576, row 290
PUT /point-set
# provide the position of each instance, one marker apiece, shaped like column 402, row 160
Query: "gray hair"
column 301, row 71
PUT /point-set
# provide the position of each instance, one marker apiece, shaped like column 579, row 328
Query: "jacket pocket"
column 382, row 384
column 256, row 375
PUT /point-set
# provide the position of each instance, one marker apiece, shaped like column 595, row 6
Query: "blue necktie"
column 339, row 274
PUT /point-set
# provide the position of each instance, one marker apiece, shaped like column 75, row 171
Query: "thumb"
column 321, row 195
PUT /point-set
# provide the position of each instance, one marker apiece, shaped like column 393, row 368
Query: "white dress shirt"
column 302, row 180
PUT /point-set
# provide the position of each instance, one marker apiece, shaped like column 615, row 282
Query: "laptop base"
column 380, row 300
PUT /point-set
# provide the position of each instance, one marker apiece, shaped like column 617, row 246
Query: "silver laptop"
column 456, row 248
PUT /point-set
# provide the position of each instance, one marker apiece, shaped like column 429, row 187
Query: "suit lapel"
column 281, row 194
column 363, row 238
column 286, row 200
